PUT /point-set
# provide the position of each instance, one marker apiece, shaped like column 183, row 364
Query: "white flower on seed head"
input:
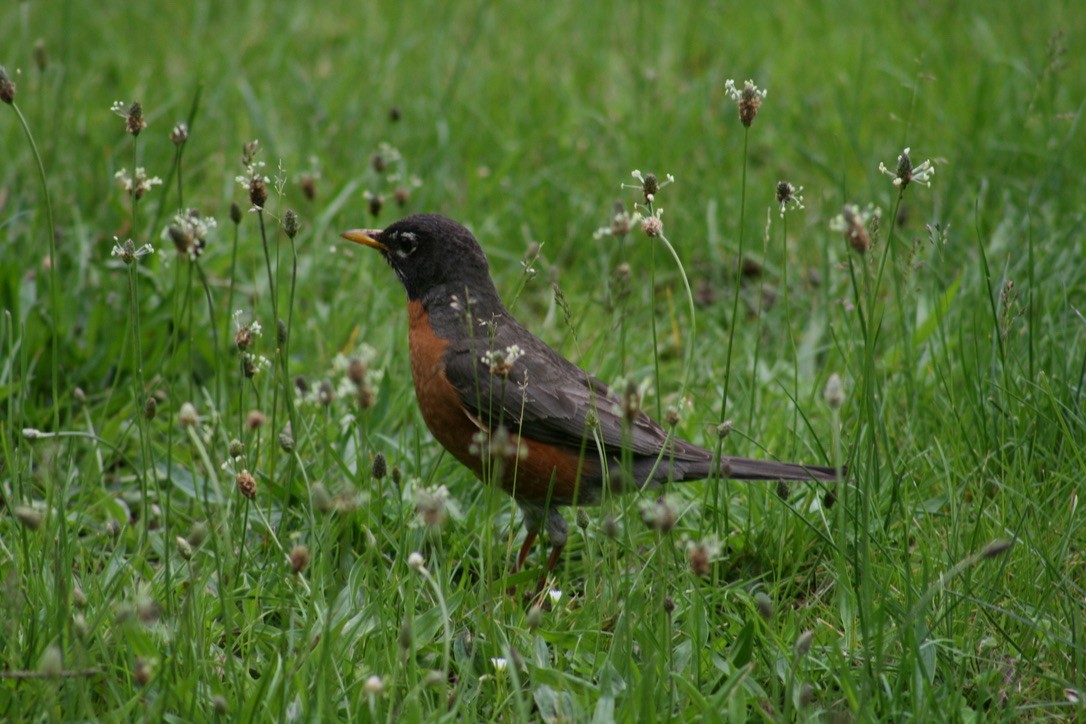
column 906, row 173
column 187, row 415
column 188, row 231
column 789, row 194
column 497, row 444
column 748, row 88
column 137, row 184
column 649, row 184
column 834, row 393
column 254, row 364
column 749, row 99
column 659, row 514
column 386, row 155
column 193, row 222
column 701, row 554
column 857, row 225
column 128, row 252
column 233, row 465
column 374, row 685
column 120, row 108
column 244, row 334
column 500, row 362
column 621, row 223
column 245, row 180
column 651, row 225
column 433, row 504
column 415, row 561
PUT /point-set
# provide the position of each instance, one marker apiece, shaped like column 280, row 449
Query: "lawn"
column 218, row 498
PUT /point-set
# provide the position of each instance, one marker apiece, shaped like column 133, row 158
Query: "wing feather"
column 546, row 397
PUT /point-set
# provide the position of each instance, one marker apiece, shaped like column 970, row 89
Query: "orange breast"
column 438, row 400
column 545, row 472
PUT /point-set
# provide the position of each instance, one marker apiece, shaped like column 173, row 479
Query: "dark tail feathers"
column 747, row 469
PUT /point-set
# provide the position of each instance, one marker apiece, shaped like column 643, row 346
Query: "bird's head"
column 430, row 253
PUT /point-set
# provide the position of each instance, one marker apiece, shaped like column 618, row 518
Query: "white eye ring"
column 409, row 245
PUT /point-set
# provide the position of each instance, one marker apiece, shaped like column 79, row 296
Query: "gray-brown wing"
column 546, row 397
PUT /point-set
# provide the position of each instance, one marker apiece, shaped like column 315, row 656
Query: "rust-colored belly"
column 545, row 472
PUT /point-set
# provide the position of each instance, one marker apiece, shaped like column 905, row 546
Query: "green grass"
column 957, row 336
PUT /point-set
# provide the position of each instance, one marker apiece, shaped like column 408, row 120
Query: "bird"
column 512, row 409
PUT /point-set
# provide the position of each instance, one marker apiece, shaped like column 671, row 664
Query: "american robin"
column 514, row 410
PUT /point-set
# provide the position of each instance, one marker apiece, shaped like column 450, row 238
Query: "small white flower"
column 190, row 221
column 187, row 415
column 711, row 546
column 554, row 595
column 416, row 561
column 433, row 504
column 749, row 99
column 254, row 327
column 853, row 215
column 659, row 514
column 233, row 465
column 653, row 226
column 180, row 133
column 906, row 173
column 500, row 362
column 621, row 223
column 374, row 685
column 649, row 184
column 857, row 225
column 254, row 364
column 137, row 184
column 245, row 180
column 748, row 88
column 128, row 252
column 500, row 663
column 834, row 394
column 789, row 194
column 385, row 156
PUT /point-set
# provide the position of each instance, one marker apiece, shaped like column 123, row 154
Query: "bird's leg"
column 525, row 549
column 552, row 559
column 541, row 587
column 535, row 519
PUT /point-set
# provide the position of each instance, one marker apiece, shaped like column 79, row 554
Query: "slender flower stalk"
column 7, row 95
column 789, row 198
column 903, row 175
column 235, row 218
column 650, row 219
column 621, row 224
column 130, row 258
column 136, row 186
column 256, row 183
column 62, row 558
column 688, row 362
column 179, row 135
column 752, row 394
column 749, row 101
column 734, row 321
column 290, row 228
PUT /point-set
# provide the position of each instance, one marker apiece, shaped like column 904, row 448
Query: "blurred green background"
column 963, row 422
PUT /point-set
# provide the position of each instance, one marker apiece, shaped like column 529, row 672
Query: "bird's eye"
column 407, row 244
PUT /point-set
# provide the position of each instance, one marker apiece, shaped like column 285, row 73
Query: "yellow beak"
column 365, row 237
